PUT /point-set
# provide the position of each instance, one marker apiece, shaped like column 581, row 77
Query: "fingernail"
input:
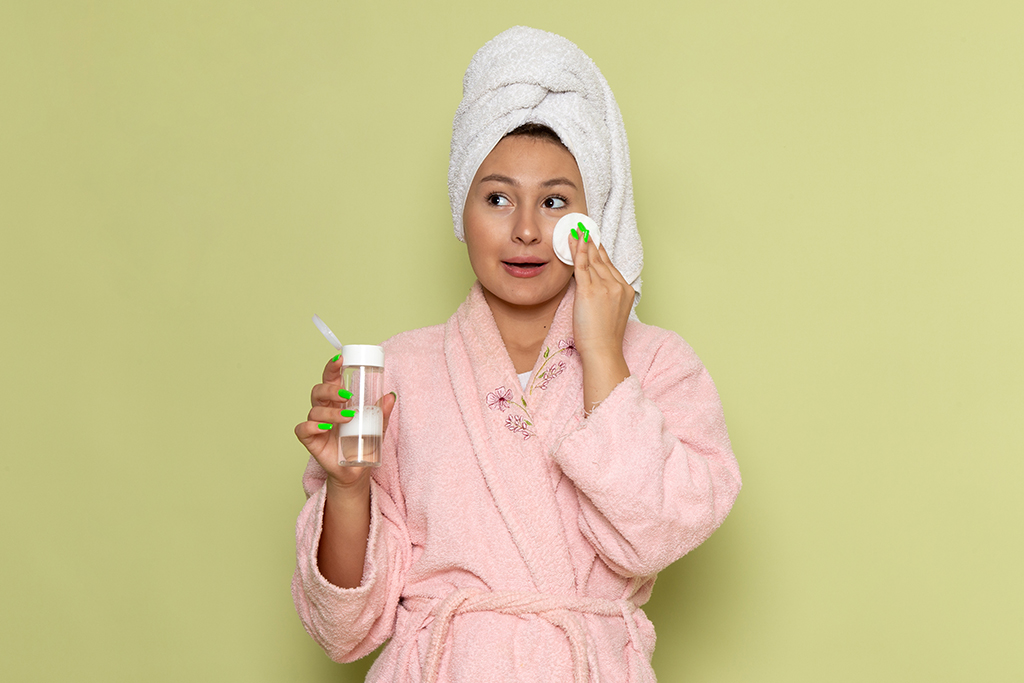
column 586, row 237
column 395, row 395
column 575, row 235
column 345, row 394
column 348, row 413
column 324, row 425
column 335, row 359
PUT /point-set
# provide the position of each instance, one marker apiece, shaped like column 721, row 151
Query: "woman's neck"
column 523, row 329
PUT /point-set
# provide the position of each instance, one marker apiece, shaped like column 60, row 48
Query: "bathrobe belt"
column 555, row 609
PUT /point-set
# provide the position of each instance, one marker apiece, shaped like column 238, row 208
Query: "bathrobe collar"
column 509, row 427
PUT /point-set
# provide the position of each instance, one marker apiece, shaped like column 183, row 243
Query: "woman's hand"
column 328, row 400
column 603, row 302
column 346, row 522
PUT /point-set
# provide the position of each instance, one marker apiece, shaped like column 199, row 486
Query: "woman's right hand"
column 327, row 401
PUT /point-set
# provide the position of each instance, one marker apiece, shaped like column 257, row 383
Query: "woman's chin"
column 526, row 295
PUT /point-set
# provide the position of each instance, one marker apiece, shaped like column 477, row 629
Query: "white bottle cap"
column 565, row 224
column 362, row 354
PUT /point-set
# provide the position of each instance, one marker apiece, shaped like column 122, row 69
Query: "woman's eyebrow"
column 498, row 178
column 559, row 181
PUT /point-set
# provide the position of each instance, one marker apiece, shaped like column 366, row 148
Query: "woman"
column 517, row 524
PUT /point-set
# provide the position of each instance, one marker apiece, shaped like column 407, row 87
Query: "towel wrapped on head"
column 526, row 75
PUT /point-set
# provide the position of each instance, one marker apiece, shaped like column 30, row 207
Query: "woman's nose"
column 527, row 228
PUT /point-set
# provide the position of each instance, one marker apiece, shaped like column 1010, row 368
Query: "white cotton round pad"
column 583, row 224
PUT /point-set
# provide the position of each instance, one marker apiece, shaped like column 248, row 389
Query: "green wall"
column 830, row 196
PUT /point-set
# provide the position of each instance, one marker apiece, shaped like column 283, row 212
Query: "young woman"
column 545, row 453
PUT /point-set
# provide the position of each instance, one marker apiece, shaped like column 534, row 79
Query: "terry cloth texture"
column 511, row 537
column 525, row 75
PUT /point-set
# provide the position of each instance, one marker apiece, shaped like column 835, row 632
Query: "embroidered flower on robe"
column 518, row 424
column 499, row 399
column 552, row 373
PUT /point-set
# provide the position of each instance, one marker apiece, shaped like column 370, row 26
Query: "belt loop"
column 628, row 610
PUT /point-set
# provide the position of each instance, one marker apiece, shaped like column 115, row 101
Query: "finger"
column 310, row 431
column 598, row 262
column 603, row 254
column 328, row 394
column 330, row 415
column 600, row 267
column 581, row 262
column 332, row 371
column 573, row 246
column 387, row 405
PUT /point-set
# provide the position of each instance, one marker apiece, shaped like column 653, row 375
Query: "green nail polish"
column 348, row 413
column 345, row 394
column 575, row 235
column 586, row 237
column 335, row 359
column 324, row 425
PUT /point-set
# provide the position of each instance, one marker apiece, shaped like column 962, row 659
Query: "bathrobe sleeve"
column 349, row 623
column 652, row 464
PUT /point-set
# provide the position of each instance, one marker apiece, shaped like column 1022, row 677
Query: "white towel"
column 525, row 75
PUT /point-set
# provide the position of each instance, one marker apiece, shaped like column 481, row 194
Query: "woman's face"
column 518, row 194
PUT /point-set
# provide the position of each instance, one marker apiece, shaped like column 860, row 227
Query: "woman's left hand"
column 600, row 311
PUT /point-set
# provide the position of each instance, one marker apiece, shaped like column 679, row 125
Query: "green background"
column 830, row 197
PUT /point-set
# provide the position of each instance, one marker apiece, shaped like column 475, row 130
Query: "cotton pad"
column 565, row 225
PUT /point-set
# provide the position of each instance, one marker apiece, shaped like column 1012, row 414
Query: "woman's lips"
column 523, row 269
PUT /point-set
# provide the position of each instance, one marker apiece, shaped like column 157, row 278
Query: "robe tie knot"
column 557, row 610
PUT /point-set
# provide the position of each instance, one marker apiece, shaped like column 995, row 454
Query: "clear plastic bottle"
column 362, row 374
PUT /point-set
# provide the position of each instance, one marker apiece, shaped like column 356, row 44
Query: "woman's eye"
column 554, row 203
column 498, row 200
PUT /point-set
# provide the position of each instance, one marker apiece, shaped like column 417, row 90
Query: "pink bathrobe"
column 512, row 538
